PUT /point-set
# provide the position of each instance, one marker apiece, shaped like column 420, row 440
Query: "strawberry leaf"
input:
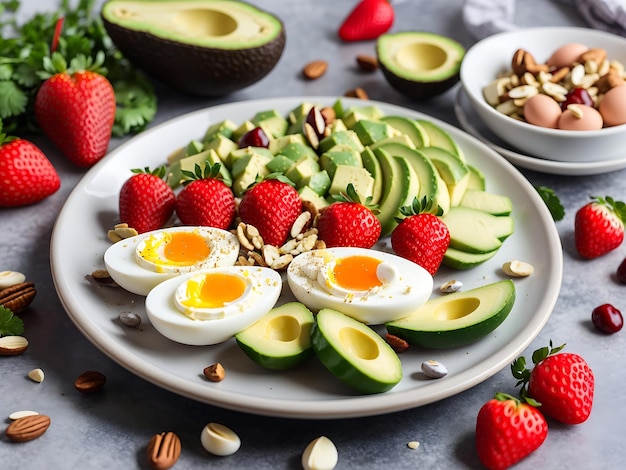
column 10, row 325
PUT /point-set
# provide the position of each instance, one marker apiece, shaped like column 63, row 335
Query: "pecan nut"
column 27, row 428
column 17, row 297
column 163, row 450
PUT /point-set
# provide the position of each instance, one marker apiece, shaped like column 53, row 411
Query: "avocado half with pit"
column 202, row 47
column 419, row 64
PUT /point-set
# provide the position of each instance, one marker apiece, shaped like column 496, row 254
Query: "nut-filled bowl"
column 493, row 57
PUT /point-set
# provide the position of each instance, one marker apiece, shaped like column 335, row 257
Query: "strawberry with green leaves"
column 368, row 20
column 206, row 198
column 349, row 222
column 599, row 226
column 146, row 202
column 562, row 383
column 508, row 430
column 75, row 107
column 271, row 205
column 26, row 174
column 420, row 235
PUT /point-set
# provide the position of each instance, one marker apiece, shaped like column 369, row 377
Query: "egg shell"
column 168, row 320
column 120, row 261
column 412, row 288
column 566, row 55
column 542, row 110
column 591, row 120
column 613, row 106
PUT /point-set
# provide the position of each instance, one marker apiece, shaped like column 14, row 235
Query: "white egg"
column 211, row 306
column 371, row 286
column 141, row 262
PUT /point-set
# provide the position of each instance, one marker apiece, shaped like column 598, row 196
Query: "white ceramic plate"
column 79, row 242
column 471, row 123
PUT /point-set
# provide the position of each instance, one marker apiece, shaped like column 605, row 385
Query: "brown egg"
column 565, row 55
column 579, row 117
column 541, row 110
column 613, row 106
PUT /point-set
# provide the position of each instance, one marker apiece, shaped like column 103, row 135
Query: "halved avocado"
column 203, row 47
column 457, row 319
column 281, row 339
column 419, row 64
column 355, row 353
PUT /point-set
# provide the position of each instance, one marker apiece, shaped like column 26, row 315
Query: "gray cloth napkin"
column 486, row 17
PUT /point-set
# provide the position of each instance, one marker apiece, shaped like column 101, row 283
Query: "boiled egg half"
column 371, row 286
column 141, row 262
column 211, row 306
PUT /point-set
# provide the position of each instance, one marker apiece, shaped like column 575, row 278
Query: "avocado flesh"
column 419, row 64
column 203, row 47
column 457, row 319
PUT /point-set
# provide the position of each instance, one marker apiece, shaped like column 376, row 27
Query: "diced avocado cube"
column 279, row 164
column 339, row 155
column 347, row 137
column 355, row 113
column 318, row 182
column 241, row 130
column 296, row 151
column 175, row 174
column 338, row 108
column 308, row 194
column 370, row 132
column 176, row 155
column 272, row 122
column 297, row 116
column 337, row 126
column 256, row 167
column 224, row 128
column 279, row 143
column 222, row 146
column 359, row 177
column 303, row 168
column 193, row 147
column 254, row 159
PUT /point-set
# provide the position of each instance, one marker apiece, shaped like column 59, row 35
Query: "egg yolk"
column 178, row 248
column 214, row 290
column 357, row 273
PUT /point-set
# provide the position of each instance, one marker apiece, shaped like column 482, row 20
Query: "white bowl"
column 492, row 56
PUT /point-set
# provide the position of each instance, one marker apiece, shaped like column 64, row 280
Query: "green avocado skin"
column 196, row 70
column 418, row 90
column 275, row 362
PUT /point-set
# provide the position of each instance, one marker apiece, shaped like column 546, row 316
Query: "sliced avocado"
column 281, row 339
column 372, row 165
column 203, row 47
column 360, row 178
column 409, row 127
column 477, row 179
column 459, row 259
column 355, row 353
column 457, row 319
column 401, row 139
column 476, row 231
column 440, row 138
column 495, row 204
column 452, row 170
column 345, row 137
column 419, row 64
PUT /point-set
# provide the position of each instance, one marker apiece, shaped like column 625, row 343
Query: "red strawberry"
column 348, row 222
column 26, row 175
column 599, row 226
column 507, row 431
column 562, row 383
column 146, row 202
column 75, row 107
column 368, row 20
column 421, row 237
column 272, row 206
column 206, row 199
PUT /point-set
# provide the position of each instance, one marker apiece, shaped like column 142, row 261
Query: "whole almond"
column 314, row 70
column 27, row 428
column 398, row 344
column 367, row 63
column 13, row 345
column 163, row 450
column 357, row 92
column 90, row 381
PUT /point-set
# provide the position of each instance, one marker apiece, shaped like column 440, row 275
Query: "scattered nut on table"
column 21, row 414
column 13, row 345
column 10, row 278
column 320, row 454
column 163, row 450
column 218, row 439
column 90, row 381
column 36, row 375
column 27, row 428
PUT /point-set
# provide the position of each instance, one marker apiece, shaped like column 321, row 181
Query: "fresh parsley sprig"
column 25, row 47
column 10, row 325
column 552, row 201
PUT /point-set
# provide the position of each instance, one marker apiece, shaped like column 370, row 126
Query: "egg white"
column 168, row 319
column 406, row 285
column 121, row 263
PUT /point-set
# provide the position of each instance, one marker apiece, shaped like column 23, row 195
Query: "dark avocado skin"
column 418, row 90
column 197, row 70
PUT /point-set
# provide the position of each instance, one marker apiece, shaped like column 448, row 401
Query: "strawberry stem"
column 58, row 27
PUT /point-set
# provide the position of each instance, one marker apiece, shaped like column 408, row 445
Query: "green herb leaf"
column 10, row 325
column 552, row 201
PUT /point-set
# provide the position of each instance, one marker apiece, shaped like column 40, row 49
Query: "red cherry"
column 607, row 318
column 577, row 96
column 621, row 272
column 254, row 138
